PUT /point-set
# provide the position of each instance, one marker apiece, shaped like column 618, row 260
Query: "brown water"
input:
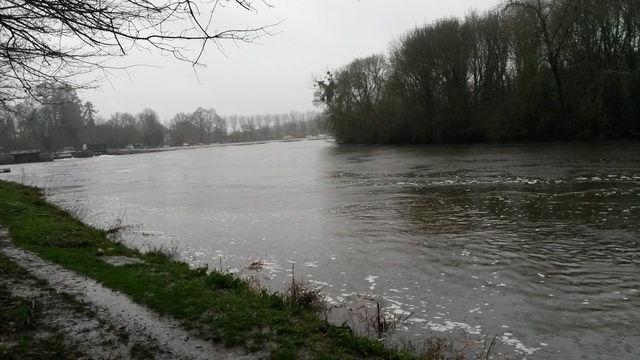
column 538, row 244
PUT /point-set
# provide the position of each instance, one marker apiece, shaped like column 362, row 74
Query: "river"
column 538, row 245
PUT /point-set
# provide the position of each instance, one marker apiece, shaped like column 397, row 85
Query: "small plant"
column 219, row 280
column 380, row 322
column 489, row 346
column 440, row 349
column 165, row 253
column 117, row 226
column 305, row 296
column 457, row 347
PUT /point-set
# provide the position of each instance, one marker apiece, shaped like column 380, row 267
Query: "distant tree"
column 28, row 134
column 249, row 127
column 353, row 99
column 208, row 124
column 554, row 21
column 150, row 127
column 527, row 70
column 182, row 130
column 603, row 81
column 58, row 122
column 88, row 113
column 8, row 130
column 491, row 73
column 277, row 124
column 119, row 131
column 219, row 128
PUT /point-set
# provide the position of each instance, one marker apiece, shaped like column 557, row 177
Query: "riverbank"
column 219, row 309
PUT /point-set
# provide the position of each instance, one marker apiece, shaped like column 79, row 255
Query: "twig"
column 12, row 211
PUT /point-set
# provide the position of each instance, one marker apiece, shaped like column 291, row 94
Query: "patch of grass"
column 16, row 314
column 140, row 352
column 219, row 307
column 163, row 253
column 28, row 347
column 20, row 322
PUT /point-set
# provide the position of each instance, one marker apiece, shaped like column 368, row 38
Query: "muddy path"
column 105, row 324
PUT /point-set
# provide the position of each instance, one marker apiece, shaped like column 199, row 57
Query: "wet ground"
column 101, row 323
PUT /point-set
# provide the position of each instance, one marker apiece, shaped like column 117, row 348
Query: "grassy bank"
column 219, row 307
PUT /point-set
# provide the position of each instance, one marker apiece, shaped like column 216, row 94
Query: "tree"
column 88, row 113
column 182, row 130
column 536, row 70
column 8, row 130
column 430, row 86
column 151, row 128
column 492, row 73
column 554, row 20
column 219, row 128
column 57, row 122
column 353, row 100
column 207, row 122
column 603, row 79
column 120, row 130
column 52, row 42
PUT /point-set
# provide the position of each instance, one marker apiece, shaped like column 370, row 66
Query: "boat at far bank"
column 65, row 153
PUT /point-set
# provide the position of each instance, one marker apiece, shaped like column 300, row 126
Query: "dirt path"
column 118, row 327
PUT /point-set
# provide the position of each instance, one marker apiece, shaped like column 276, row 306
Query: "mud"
column 116, row 323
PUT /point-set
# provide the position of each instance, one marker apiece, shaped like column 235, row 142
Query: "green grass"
column 219, row 307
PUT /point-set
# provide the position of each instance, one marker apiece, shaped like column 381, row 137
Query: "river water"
column 536, row 244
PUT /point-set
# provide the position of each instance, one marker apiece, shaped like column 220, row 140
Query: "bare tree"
column 354, row 97
column 555, row 20
column 54, row 41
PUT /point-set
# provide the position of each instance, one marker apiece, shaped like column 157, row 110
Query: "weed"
column 456, row 347
column 305, row 296
column 117, row 225
column 224, row 281
column 163, row 253
column 489, row 344
column 383, row 322
column 440, row 349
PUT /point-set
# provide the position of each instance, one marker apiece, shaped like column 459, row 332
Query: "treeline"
column 273, row 126
column 528, row 70
column 63, row 119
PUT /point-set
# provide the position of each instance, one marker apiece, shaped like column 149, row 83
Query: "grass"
column 20, row 323
column 219, row 307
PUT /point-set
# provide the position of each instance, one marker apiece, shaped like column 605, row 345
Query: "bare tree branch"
column 55, row 41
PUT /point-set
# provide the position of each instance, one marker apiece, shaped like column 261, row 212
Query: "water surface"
column 537, row 244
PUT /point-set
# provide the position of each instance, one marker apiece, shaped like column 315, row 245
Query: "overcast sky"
column 275, row 74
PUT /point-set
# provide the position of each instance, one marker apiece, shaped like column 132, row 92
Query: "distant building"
column 25, row 156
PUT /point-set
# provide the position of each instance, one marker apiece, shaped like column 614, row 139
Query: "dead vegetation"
column 305, row 295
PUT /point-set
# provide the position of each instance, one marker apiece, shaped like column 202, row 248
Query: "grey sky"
column 275, row 74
